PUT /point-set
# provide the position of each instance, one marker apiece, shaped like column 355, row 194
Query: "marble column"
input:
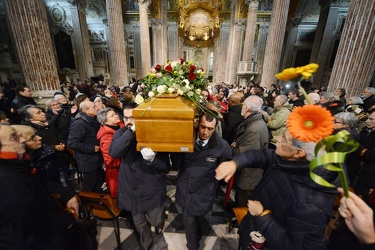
column 261, row 45
column 250, row 30
column 81, row 40
column 145, row 36
column 275, row 42
column 159, row 31
column 116, row 41
column 29, row 26
column 321, row 55
column 235, row 50
column 355, row 59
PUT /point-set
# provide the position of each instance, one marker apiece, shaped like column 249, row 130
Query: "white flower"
column 180, row 92
column 139, row 99
column 171, row 90
column 199, row 71
column 186, row 81
column 151, row 94
column 161, row 89
column 153, row 70
column 176, row 86
column 181, row 72
column 158, row 75
column 184, row 89
column 175, row 63
column 187, row 87
column 198, row 91
column 190, row 93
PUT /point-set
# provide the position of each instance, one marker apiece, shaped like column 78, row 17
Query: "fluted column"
column 159, row 31
column 145, row 36
column 250, row 30
column 81, row 39
column 235, row 50
column 275, row 42
column 355, row 59
column 261, row 45
column 116, row 41
column 29, row 26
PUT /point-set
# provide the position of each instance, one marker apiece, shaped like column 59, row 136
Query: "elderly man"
column 287, row 206
column 251, row 134
column 327, row 100
column 277, row 122
column 29, row 218
column 368, row 96
column 82, row 140
column 196, row 183
column 141, row 182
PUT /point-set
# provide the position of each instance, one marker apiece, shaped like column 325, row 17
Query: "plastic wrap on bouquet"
column 166, row 124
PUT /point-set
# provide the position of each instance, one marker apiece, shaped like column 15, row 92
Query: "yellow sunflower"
column 296, row 73
column 310, row 123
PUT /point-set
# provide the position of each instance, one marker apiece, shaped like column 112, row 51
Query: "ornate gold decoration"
column 199, row 22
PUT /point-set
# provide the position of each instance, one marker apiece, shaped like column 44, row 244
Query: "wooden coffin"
column 166, row 124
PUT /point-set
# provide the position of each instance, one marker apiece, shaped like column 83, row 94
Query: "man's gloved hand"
column 148, row 154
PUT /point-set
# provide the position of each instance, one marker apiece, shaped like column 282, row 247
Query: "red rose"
column 192, row 76
column 168, row 68
column 192, row 68
column 182, row 60
column 158, row 67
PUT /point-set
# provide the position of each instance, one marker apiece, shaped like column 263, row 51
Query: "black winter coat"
column 61, row 122
column 21, row 101
column 141, row 184
column 196, row 182
column 28, row 215
column 49, row 167
column 232, row 120
column 301, row 209
column 82, row 140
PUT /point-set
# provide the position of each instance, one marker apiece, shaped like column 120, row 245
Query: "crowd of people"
column 244, row 139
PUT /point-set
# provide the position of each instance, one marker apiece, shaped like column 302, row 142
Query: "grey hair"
column 254, row 103
column 101, row 116
column 283, row 99
column 371, row 90
column 215, row 103
column 49, row 102
column 26, row 113
column 329, row 96
column 356, row 100
column 347, row 118
column 308, row 147
column 56, row 97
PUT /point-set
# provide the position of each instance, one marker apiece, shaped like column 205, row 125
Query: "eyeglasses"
column 338, row 122
column 33, row 138
column 128, row 118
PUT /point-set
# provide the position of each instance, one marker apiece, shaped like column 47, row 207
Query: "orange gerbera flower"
column 296, row 74
column 310, row 123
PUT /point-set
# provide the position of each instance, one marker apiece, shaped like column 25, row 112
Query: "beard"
column 128, row 125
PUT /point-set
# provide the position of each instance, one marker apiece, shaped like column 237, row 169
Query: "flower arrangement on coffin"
column 315, row 123
column 177, row 77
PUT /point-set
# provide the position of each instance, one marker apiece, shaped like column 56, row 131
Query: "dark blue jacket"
column 301, row 209
column 196, row 182
column 82, row 140
column 141, row 184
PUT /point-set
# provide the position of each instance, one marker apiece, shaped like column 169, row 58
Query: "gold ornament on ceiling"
column 199, row 22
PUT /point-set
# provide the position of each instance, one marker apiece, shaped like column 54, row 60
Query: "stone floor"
column 215, row 227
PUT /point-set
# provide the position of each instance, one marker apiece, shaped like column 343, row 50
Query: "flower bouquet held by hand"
column 315, row 123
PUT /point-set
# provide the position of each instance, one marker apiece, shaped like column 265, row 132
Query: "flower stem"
column 304, row 92
column 343, row 181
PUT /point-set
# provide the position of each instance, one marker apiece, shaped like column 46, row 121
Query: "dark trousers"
column 193, row 231
column 93, row 180
column 143, row 222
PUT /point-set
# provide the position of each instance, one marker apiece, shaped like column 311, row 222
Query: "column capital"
column 143, row 3
column 253, row 4
column 240, row 23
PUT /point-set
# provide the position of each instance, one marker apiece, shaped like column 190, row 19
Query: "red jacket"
column 112, row 165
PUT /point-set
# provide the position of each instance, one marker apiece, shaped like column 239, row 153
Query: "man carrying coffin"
column 196, row 183
column 142, row 180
